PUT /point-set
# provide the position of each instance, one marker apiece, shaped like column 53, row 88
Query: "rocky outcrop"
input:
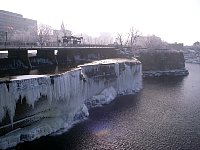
column 162, row 62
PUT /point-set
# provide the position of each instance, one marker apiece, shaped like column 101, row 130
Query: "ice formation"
column 69, row 95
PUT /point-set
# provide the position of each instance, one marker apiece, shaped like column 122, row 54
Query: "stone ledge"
column 158, row 73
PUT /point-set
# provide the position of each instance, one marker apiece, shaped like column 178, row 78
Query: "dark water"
column 164, row 115
column 49, row 70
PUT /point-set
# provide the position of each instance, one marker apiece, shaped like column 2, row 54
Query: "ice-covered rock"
column 68, row 96
column 105, row 97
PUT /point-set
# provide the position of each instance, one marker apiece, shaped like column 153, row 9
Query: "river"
column 164, row 115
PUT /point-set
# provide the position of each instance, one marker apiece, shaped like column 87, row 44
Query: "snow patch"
column 105, row 97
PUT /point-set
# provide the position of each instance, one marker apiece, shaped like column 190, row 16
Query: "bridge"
column 46, row 46
column 64, row 51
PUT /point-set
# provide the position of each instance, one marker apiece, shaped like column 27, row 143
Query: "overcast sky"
column 172, row 20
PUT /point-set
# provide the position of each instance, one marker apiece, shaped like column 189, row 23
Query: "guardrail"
column 50, row 44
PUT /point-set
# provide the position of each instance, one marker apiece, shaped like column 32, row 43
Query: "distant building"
column 176, row 46
column 58, row 34
column 10, row 21
column 72, row 40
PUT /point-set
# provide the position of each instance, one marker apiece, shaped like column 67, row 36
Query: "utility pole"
column 6, row 34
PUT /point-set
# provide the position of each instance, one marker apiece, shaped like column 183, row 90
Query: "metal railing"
column 50, row 44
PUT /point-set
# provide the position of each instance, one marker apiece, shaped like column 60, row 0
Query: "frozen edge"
column 158, row 73
column 51, row 125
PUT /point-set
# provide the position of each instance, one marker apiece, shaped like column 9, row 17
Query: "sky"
column 172, row 20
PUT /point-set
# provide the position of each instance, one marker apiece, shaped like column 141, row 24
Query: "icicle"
column 69, row 94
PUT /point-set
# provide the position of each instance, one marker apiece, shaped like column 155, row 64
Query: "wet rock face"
column 162, row 60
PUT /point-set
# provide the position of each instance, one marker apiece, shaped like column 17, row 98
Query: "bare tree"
column 128, row 38
column 119, row 39
column 122, row 39
column 134, row 34
column 43, row 34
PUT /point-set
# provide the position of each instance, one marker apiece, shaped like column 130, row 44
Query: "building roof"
column 10, row 13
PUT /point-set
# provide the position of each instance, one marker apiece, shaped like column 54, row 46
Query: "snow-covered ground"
column 69, row 96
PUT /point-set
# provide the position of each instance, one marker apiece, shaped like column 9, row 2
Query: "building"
column 58, row 34
column 72, row 40
column 10, row 22
column 176, row 46
column 63, row 32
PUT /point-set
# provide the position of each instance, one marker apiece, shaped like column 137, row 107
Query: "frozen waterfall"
column 68, row 96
